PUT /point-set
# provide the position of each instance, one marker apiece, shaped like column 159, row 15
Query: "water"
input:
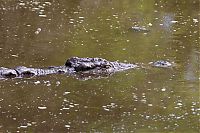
column 45, row 33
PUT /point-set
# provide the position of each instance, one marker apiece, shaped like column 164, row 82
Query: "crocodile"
column 82, row 68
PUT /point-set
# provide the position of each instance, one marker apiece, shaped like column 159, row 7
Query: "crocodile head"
column 85, row 64
column 8, row 73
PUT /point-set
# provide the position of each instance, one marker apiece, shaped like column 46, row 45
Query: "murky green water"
column 44, row 33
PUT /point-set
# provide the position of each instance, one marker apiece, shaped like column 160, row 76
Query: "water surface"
column 42, row 33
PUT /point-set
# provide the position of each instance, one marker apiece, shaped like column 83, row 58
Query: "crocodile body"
column 81, row 67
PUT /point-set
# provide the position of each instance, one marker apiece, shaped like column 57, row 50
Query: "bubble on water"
column 163, row 89
column 46, row 81
column 22, row 4
column 150, row 24
column 84, row 121
column 29, row 124
column 49, row 84
column 58, row 83
column 33, row 122
column 23, row 126
column 43, row 122
column 143, row 100
column 179, row 104
column 35, row 9
column 67, row 126
column 150, row 105
column 37, row 82
column 38, row 31
column 81, row 17
column 198, row 109
column 106, row 109
column 42, row 107
column 194, row 103
column 65, row 108
column 49, row 3
column 65, row 100
column 67, row 92
column 109, row 106
column 147, row 117
column 174, row 21
column 42, row 15
column 71, row 106
column 40, row 6
column 195, row 20
column 14, row 55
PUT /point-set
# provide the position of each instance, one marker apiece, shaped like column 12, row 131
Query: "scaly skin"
column 75, row 66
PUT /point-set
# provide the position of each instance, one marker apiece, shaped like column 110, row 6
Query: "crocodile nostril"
column 61, row 71
column 10, row 75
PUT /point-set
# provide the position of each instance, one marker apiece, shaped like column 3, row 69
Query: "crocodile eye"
column 28, row 74
column 68, row 64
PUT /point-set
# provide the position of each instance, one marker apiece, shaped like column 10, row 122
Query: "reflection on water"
column 44, row 33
